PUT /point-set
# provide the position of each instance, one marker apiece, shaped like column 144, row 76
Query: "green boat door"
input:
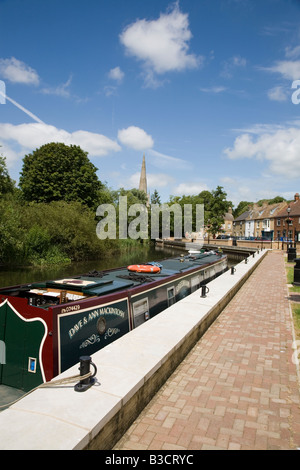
column 20, row 343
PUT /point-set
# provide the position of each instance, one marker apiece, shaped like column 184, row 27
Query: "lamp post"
column 208, row 229
column 287, row 223
column 288, row 219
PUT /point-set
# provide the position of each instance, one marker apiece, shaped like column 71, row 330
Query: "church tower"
column 143, row 180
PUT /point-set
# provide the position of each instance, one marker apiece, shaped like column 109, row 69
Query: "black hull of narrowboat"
column 45, row 327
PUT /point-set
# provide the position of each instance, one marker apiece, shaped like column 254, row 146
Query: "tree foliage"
column 69, row 226
column 215, row 207
column 216, row 210
column 155, row 198
column 56, row 172
column 53, row 233
column 275, row 200
column 11, row 231
column 7, row 185
column 243, row 206
column 134, row 196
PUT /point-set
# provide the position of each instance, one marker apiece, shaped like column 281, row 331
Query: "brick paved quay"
column 238, row 388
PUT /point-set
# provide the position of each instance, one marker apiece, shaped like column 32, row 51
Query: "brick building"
column 259, row 221
column 239, row 224
column 287, row 222
column 227, row 227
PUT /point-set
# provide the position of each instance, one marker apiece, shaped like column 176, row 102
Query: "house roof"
column 228, row 216
column 267, row 211
column 295, row 209
column 243, row 216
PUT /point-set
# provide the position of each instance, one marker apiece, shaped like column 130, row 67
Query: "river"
column 138, row 255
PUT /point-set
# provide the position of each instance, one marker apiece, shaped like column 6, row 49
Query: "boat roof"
column 100, row 283
column 105, row 282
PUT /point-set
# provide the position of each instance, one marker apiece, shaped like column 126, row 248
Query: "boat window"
column 140, row 311
column 32, row 364
column 171, row 296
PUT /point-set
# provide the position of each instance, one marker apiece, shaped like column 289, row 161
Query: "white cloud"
column 135, row 138
column 162, row 44
column 292, row 53
column 231, row 64
column 34, row 135
column 258, row 129
column 161, row 160
column 289, row 69
column 110, row 90
column 154, row 180
column 116, row 74
column 280, row 148
column 214, row 89
column 190, row 188
column 238, row 61
column 11, row 155
column 278, row 93
column 252, row 189
column 60, row 90
column 17, row 71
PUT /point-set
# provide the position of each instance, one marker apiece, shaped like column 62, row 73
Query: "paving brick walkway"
column 238, row 388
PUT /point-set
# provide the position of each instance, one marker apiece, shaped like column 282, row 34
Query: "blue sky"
column 202, row 87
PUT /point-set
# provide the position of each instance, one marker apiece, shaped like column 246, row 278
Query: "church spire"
column 143, row 178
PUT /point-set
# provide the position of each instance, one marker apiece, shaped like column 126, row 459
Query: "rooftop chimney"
column 296, row 197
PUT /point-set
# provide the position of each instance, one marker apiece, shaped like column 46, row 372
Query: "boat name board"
column 90, row 329
column 95, row 314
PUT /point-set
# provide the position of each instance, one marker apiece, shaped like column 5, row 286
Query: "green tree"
column 67, row 227
column 155, row 198
column 206, row 198
column 7, row 185
column 276, row 200
column 192, row 202
column 243, row 206
column 11, row 231
column 57, row 172
column 216, row 210
column 134, row 196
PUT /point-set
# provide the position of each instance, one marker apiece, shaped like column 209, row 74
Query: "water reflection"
column 140, row 254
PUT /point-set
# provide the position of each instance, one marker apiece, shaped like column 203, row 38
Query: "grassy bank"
column 294, row 294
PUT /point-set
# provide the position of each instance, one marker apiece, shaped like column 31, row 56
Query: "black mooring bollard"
column 246, row 260
column 233, row 270
column 204, row 291
column 85, row 384
column 292, row 253
column 297, row 272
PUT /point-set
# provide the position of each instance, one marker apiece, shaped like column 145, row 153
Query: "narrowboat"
column 46, row 326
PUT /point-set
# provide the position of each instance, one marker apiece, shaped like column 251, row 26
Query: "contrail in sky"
column 35, row 118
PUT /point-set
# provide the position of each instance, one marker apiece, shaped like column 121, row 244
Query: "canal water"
column 139, row 255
